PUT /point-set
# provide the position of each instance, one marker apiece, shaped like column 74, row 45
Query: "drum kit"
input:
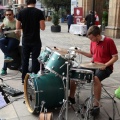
column 49, row 88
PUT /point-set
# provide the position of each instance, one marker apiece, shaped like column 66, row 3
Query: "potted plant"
column 55, row 20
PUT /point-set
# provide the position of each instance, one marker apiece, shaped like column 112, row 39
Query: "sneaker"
column 72, row 100
column 8, row 59
column 3, row 72
column 95, row 111
column 22, row 82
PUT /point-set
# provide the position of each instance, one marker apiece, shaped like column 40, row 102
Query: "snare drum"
column 48, row 88
column 57, row 65
column 81, row 74
column 44, row 55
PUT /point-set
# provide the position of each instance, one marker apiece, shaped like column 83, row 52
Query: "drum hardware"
column 66, row 102
column 40, row 71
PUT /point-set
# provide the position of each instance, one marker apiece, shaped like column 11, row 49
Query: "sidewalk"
column 17, row 110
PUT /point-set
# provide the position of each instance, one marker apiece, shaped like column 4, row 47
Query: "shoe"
column 3, row 72
column 95, row 111
column 22, row 82
column 72, row 100
column 8, row 59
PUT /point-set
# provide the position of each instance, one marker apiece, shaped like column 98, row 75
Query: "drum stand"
column 40, row 71
column 85, row 108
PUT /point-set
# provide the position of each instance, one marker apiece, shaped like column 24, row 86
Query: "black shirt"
column 30, row 18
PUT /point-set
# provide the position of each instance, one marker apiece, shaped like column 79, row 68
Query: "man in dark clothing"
column 89, row 19
column 69, row 20
column 31, row 20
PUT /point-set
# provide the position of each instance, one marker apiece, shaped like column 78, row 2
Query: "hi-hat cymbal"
column 92, row 65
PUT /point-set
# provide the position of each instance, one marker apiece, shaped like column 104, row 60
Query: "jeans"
column 26, row 50
column 7, row 45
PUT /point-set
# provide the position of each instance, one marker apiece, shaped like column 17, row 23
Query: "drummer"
column 102, row 50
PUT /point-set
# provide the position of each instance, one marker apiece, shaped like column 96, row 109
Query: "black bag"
column 16, row 63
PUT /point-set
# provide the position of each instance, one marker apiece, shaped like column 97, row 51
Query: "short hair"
column 94, row 30
column 9, row 10
column 30, row 2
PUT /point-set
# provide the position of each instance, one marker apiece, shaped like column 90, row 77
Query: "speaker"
column 16, row 55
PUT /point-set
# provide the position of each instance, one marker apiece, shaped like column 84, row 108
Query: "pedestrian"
column 102, row 51
column 97, row 22
column 69, row 20
column 10, row 41
column 89, row 19
column 30, row 20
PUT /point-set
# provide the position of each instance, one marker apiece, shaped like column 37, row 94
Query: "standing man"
column 69, row 20
column 102, row 51
column 10, row 41
column 30, row 20
column 89, row 19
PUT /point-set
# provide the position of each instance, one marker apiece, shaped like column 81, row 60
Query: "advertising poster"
column 78, row 14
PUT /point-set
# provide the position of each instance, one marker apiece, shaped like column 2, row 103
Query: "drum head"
column 48, row 88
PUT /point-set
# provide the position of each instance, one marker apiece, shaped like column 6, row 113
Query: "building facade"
column 113, row 28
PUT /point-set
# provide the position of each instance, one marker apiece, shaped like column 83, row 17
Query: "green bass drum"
column 48, row 88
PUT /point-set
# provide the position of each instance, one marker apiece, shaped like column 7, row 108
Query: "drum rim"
column 25, row 93
column 54, row 72
column 57, row 52
column 48, row 48
column 81, row 70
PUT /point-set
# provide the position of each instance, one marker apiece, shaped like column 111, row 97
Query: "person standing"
column 89, row 19
column 102, row 51
column 97, row 22
column 10, row 41
column 69, row 20
column 30, row 20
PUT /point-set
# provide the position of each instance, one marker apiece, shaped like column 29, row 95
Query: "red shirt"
column 102, row 52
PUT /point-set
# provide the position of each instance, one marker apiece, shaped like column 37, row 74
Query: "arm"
column 84, row 53
column 111, row 61
column 18, row 27
column 42, row 24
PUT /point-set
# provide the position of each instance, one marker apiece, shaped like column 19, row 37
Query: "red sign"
column 78, row 14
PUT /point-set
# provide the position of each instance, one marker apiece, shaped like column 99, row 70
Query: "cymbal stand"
column 65, row 102
column 40, row 71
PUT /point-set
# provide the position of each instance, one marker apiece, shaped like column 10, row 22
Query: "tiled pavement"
column 17, row 110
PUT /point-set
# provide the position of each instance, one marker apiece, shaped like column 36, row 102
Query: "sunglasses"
column 8, row 14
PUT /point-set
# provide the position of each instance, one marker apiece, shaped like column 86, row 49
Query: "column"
column 21, row 1
column 113, row 28
column 87, row 5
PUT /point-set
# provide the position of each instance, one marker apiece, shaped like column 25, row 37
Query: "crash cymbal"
column 92, row 65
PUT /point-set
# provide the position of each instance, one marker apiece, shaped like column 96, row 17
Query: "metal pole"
column 93, row 9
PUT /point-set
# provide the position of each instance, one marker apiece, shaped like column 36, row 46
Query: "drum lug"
column 41, row 91
column 61, row 88
column 63, row 73
column 79, row 76
column 53, row 67
column 58, row 57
